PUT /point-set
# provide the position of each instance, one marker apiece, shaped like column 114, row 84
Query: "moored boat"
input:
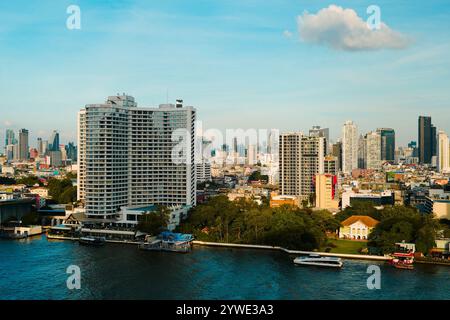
column 403, row 257
column 319, row 261
column 92, row 241
column 170, row 242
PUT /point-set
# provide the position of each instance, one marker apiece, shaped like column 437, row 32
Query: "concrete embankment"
column 52, row 237
column 326, row 254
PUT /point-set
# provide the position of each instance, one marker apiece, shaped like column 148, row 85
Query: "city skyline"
column 251, row 63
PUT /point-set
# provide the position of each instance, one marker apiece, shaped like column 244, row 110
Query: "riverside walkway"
column 326, row 254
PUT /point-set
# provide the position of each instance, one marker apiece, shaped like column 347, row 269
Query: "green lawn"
column 346, row 246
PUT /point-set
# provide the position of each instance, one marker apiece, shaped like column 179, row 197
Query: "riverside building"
column 130, row 156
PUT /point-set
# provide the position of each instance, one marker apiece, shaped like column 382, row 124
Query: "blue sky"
column 228, row 58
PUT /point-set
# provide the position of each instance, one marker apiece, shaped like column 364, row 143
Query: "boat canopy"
column 170, row 236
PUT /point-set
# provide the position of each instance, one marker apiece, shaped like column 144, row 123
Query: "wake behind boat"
column 319, row 261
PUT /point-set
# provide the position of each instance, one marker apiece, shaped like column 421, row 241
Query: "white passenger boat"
column 319, row 261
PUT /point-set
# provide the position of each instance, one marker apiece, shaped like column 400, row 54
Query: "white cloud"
column 343, row 29
column 287, row 34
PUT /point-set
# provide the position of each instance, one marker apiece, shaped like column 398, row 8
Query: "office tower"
column 9, row 152
column 331, row 165
column 16, row 152
column 44, row 147
column 54, row 141
column 301, row 158
column 10, row 138
column 317, row 131
column 252, row 153
column 427, row 140
column 23, row 145
column 337, row 152
column 373, row 150
column 40, row 147
column 56, row 158
column 326, row 192
column 349, row 147
column 71, row 151
column 413, row 146
column 387, row 143
column 128, row 155
column 10, row 141
column 203, row 172
column 362, row 152
column 443, row 152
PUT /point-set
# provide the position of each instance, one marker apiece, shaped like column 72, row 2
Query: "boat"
column 403, row 257
column 92, row 241
column 319, row 261
column 402, row 260
column 170, row 242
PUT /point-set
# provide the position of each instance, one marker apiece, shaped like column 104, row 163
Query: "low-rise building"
column 357, row 227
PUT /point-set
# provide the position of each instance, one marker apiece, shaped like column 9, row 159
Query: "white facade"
column 301, row 158
column 203, row 171
column 349, row 147
column 443, row 152
column 373, row 150
column 130, row 156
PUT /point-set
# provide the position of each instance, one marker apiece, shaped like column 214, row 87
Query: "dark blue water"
column 36, row 269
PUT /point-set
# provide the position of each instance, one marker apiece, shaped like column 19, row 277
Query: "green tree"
column 154, row 222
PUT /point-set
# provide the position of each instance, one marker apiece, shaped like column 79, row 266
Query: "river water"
column 36, row 269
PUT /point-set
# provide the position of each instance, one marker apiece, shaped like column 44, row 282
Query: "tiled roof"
column 368, row 221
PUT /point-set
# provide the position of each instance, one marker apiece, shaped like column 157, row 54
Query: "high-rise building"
column 54, row 141
column 40, row 146
column 337, row 152
column 373, row 150
column 301, row 158
column 10, row 138
column 23, row 145
column 362, row 152
column 427, row 140
column 387, row 143
column 349, row 147
column 130, row 156
column 326, row 197
column 317, row 131
column 71, row 152
column 252, row 153
column 443, row 152
column 330, row 165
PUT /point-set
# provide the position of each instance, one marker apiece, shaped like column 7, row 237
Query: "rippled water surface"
column 36, row 269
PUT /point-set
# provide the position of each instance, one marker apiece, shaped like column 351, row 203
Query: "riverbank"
column 273, row 248
column 297, row 252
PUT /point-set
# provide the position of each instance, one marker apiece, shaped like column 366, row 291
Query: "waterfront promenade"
column 252, row 246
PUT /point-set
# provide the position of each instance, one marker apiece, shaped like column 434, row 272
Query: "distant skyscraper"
column 387, row 143
column 427, row 140
column 443, row 152
column 130, row 156
column 71, row 152
column 301, row 158
column 10, row 138
column 362, row 152
column 337, row 152
column 331, row 165
column 252, row 154
column 349, row 147
column 23, row 145
column 373, row 150
column 317, row 131
column 40, row 147
column 54, row 141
